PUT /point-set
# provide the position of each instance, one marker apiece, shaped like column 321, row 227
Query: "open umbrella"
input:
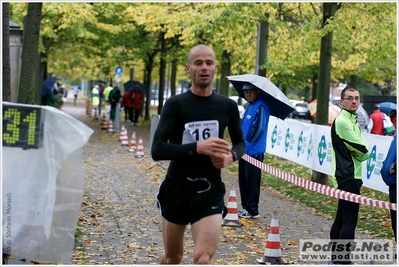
column 278, row 103
column 362, row 116
column 130, row 85
column 333, row 110
column 48, row 84
column 387, row 106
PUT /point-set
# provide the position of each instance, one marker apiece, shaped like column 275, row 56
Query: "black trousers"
column 249, row 177
column 136, row 115
column 343, row 228
column 393, row 199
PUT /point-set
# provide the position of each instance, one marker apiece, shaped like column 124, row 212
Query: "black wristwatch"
column 234, row 155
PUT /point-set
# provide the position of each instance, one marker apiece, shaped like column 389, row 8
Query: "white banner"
column 310, row 145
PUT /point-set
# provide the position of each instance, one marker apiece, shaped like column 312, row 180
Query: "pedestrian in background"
column 349, row 149
column 389, row 176
column 127, row 107
column 394, row 119
column 190, row 134
column 254, row 125
column 137, row 98
column 75, row 90
column 51, row 97
column 95, row 99
column 375, row 124
column 100, row 97
column 107, row 90
column 114, row 98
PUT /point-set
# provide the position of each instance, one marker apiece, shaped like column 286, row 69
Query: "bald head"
column 198, row 48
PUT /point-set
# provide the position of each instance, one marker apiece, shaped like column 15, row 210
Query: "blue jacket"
column 254, row 126
column 388, row 178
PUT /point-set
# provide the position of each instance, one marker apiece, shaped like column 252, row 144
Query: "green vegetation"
column 78, row 234
column 75, row 43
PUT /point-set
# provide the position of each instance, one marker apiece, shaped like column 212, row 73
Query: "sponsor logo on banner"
column 371, row 162
column 287, row 140
column 300, row 143
column 291, row 138
column 374, row 162
column 322, row 150
column 310, row 147
column 274, row 136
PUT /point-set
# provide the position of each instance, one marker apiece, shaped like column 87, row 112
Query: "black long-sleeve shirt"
column 196, row 118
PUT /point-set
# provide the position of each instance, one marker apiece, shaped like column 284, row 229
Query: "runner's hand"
column 213, row 147
column 222, row 160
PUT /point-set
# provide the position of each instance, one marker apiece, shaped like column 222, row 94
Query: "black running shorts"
column 188, row 201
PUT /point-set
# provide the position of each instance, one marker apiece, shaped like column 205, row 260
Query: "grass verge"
column 372, row 220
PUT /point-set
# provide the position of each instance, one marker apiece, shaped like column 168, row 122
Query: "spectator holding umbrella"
column 137, row 98
column 254, row 126
column 114, row 98
column 50, row 93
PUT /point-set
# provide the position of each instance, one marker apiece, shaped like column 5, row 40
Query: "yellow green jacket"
column 349, row 148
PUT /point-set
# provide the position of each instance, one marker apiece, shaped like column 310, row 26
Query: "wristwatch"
column 234, row 155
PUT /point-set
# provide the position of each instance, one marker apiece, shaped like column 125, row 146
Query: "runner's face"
column 202, row 67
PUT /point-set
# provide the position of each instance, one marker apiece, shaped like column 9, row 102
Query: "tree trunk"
column 42, row 73
column 30, row 54
column 225, row 71
column 131, row 73
column 173, row 77
column 324, row 79
column 263, row 40
column 6, row 53
column 162, row 71
column 353, row 82
column 314, row 86
column 147, row 80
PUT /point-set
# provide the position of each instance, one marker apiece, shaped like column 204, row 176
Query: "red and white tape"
column 323, row 189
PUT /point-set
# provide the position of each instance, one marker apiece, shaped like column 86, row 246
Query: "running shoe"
column 247, row 215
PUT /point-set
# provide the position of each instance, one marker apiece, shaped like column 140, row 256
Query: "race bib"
column 199, row 131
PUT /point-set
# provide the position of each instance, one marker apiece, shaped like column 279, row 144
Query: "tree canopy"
column 88, row 40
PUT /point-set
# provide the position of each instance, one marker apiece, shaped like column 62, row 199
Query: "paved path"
column 119, row 221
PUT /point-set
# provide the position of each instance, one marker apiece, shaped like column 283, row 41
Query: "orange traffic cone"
column 231, row 218
column 273, row 245
column 110, row 127
column 124, row 138
column 140, row 149
column 104, row 125
column 132, row 147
